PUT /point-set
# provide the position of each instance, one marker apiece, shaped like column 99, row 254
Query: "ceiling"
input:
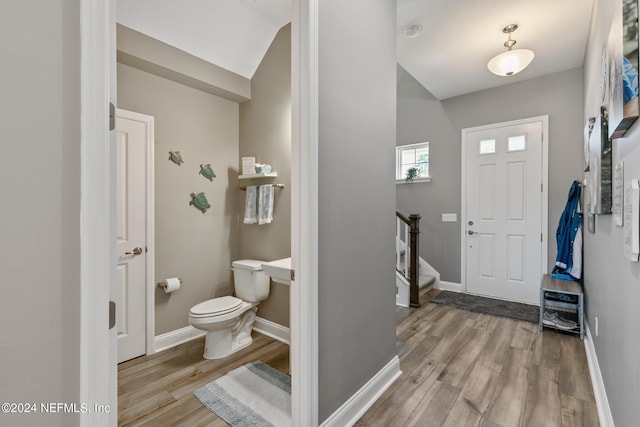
column 232, row 34
column 448, row 57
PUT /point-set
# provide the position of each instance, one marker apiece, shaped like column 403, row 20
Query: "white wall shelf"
column 259, row 175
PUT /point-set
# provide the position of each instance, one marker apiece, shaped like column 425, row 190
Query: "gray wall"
column 196, row 247
column 357, row 114
column 423, row 118
column 265, row 133
column 40, row 189
column 612, row 284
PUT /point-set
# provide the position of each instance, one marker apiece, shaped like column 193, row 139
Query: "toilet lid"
column 217, row 306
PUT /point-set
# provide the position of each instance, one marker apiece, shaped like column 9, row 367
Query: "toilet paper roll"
column 171, row 284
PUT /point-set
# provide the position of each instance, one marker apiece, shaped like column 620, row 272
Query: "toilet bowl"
column 229, row 320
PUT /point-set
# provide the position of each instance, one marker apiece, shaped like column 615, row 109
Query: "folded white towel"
column 265, row 204
column 250, row 205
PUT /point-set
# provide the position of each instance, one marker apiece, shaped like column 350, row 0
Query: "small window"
column 414, row 156
column 488, row 146
column 516, row 143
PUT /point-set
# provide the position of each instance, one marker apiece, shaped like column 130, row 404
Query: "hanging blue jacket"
column 566, row 232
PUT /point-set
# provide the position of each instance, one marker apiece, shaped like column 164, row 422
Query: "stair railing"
column 407, row 231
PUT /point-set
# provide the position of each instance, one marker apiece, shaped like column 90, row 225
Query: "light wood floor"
column 158, row 390
column 468, row 369
column 459, row 369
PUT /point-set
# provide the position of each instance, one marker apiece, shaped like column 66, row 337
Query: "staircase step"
column 425, row 280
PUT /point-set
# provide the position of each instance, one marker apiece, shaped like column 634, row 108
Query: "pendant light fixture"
column 512, row 61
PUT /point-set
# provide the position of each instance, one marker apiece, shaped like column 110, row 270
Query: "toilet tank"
column 250, row 282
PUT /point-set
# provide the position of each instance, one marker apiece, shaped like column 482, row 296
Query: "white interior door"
column 503, row 196
column 131, row 211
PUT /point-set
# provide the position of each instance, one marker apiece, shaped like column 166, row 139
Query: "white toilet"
column 229, row 320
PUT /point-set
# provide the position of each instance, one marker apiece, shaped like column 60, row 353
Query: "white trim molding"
column 355, row 407
column 174, row 338
column 449, row 286
column 273, row 330
column 188, row 333
column 602, row 403
column 98, row 350
column 304, row 213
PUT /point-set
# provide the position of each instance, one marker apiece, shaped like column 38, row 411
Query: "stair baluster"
column 411, row 240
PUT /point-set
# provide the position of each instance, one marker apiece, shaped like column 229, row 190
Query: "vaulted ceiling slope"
column 232, row 34
column 449, row 57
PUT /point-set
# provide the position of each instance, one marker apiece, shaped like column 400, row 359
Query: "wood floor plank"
column 546, row 350
column 155, row 386
column 463, row 414
column 524, row 335
column 499, row 342
column 481, row 384
column 543, row 407
column 464, row 359
column 578, row 412
column 508, row 400
column 574, row 371
column 143, row 407
column 168, row 415
column 405, row 397
column 435, row 406
column 459, row 335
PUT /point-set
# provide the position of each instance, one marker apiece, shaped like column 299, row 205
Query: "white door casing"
column 98, row 370
column 505, row 209
column 98, row 348
column 134, row 142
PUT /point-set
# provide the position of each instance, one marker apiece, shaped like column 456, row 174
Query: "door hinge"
column 541, row 187
column 112, row 116
column 541, row 237
column 112, row 314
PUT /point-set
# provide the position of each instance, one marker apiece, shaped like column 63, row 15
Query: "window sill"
column 404, row 181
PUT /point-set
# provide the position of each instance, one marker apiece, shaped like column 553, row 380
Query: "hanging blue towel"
column 569, row 239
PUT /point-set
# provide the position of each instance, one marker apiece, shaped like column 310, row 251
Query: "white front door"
column 503, row 196
column 131, row 211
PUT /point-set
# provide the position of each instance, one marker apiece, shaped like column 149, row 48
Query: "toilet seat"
column 216, row 307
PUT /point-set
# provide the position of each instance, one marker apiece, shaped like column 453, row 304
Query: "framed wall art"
column 622, row 47
column 600, row 166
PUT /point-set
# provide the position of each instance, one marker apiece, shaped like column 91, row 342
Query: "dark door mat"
column 496, row 307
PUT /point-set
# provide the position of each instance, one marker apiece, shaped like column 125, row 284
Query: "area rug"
column 252, row 395
column 496, row 307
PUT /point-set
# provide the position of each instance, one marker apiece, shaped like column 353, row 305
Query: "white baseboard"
column 273, row 330
column 188, row 333
column 177, row 337
column 449, row 286
column 602, row 403
column 351, row 411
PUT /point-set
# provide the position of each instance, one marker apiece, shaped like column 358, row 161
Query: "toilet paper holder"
column 164, row 285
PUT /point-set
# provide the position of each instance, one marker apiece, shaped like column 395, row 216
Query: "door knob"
column 136, row 251
column 470, row 232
